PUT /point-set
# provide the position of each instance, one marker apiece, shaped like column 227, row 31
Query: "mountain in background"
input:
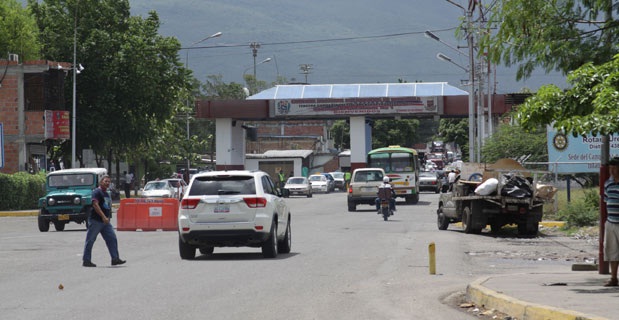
column 345, row 41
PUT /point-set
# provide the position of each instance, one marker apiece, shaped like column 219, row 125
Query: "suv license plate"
column 222, row 208
column 63, row 217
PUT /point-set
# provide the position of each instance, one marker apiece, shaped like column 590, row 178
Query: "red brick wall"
column 11, row 159
column 8, row 106
column 35, row 124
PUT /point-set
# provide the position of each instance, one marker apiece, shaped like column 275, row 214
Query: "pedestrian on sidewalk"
column 99, row 222
column 611, row 226
column 127, row 185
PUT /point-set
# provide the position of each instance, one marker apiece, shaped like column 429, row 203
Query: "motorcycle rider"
column 386, row 184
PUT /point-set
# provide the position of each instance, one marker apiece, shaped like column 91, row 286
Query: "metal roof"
column 299, row 153
column 368, row 90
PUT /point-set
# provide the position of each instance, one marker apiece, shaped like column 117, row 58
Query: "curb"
column 546, row 224
column 490, row 299
column 31, row 213
column 21, row 213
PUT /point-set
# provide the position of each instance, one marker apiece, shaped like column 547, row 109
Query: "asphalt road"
column 343, row 265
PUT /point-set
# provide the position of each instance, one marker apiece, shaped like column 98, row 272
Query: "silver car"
column 233, row 209
column 298, row 186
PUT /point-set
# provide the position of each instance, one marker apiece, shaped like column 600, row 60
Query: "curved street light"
column 214, row 35
column 259, row 63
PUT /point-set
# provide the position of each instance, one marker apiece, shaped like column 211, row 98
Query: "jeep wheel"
column 286, row 243
column 269, row 247
column 59, row 225
column 187, row 251
column 43, row 223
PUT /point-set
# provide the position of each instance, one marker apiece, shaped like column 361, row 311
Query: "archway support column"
column 230, row 144
column 360, row 142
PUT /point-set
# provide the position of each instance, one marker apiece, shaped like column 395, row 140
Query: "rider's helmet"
column 386, row 179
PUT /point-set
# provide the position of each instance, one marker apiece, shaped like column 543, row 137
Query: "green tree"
column 590, row 106
column 457, row 131
column 340, row 132
column 133, row 84
column 510, row 141
column 554, row 35
column 394, row 132
column 18, row 31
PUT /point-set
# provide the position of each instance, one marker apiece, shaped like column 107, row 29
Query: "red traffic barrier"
column 148, row 214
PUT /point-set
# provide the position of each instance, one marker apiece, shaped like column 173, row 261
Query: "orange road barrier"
column 148, row 214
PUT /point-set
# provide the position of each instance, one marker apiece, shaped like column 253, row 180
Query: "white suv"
column 233, row 209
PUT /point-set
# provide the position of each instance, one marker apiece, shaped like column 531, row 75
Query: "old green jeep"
column 68, row 197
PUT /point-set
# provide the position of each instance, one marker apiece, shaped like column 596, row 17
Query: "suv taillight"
column 255, row 202
column 189, row 203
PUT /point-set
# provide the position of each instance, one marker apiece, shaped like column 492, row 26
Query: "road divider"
column 148, row 214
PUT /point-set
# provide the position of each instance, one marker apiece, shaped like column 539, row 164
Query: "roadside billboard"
column 57, row 124
column 569, row 154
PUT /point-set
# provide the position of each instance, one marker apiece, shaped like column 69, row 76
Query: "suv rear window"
column 367, row 176
column 218, row 185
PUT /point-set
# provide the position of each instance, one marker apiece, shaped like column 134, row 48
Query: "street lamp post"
column 215, row 35
column 471, row 71
column 73, row 116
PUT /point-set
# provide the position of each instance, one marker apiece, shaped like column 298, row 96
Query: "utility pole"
column 471, row 44
column 254, row 49
column 305, row 69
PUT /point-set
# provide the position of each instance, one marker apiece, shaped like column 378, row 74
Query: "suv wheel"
column 43, row 223
column 285, row 245
column 187, row 251
column 207, row 250
column 59, row 225
column 352, row 206
column 269, row 247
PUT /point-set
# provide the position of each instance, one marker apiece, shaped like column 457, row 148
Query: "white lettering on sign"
column 155, row 211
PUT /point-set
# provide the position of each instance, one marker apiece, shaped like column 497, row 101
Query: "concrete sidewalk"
column 563, row 294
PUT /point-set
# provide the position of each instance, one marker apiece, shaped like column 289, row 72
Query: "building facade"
column 27, row 90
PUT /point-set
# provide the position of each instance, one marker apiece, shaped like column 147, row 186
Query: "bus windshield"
column 392, row 162
column 402, row 166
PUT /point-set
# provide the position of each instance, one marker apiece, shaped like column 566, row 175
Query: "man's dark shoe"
column 87, row 263
column 117, row 261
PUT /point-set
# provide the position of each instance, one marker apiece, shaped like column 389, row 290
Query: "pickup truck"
column 462, row 204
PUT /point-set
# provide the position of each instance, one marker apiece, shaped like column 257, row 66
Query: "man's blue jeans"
column 391, row 203
column 107, row 232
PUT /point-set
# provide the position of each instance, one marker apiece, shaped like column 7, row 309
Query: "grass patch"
column 581, row 211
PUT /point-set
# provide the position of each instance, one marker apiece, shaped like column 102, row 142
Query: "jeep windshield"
column 71, row 180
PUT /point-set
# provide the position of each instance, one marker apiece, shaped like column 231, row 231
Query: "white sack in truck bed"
column 487, row 188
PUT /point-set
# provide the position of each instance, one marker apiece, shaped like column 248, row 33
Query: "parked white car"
column 319, row 183
column 232, row 209
column 158, row 189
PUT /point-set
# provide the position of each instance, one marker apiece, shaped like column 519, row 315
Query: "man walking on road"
column 611, row 234
column 99, row 222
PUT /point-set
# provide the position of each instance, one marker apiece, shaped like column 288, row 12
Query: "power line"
column 392, row 35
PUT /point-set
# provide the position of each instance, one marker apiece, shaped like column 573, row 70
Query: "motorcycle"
column 384, row 196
